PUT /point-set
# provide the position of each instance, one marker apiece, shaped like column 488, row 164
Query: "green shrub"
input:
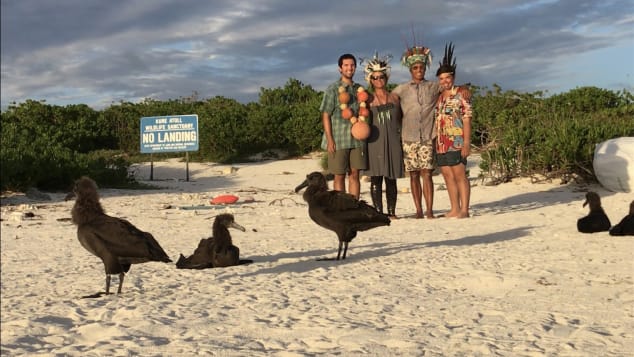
column 518, row 134
column 525, row 134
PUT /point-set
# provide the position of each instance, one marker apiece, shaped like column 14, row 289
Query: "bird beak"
column 301, row 185
column 237, row 226
column 585, row 203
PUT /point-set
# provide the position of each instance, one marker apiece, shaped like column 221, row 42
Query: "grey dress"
column 385, row 152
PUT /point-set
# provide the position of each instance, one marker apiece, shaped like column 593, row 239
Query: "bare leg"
column 452, row 190
column 428, row 192
column 339, row 183
column 464, row 189
column 417, row 192
column 354, row 183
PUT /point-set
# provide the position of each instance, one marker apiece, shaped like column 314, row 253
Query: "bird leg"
column 345, row 250
column 121, row 275
column 107, row 284
column 339, row 252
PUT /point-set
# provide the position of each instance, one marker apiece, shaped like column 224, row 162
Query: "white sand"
column 516, row 279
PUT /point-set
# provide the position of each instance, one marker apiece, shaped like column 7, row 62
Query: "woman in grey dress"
column 385, row 155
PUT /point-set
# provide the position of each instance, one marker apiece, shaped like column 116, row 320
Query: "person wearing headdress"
column 453, row 134
column 418, row 97
column 384, row 151
column 345, row 153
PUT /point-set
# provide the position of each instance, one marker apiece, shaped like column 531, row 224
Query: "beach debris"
column 224, row 199
column 229, row 170
column 280, row 201
column 34, row 194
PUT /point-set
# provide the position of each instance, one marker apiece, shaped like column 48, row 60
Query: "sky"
column 100, row 53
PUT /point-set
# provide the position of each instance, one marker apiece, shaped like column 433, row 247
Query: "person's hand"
column 465, row 151
column 331, row 146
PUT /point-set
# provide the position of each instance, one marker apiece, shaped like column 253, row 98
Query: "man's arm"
column 325, row 120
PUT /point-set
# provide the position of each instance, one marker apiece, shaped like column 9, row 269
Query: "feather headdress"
column 448, row 64
column 376, row 64
column 416, row 54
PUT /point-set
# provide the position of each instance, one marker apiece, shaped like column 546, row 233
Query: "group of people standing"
column 418, row 125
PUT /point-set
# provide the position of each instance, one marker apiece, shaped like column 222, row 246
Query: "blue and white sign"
column 169, row 133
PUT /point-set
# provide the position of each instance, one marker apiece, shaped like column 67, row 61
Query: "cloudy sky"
column 99, row 52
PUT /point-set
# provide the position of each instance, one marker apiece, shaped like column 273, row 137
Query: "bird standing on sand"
column 340, row 212
column 327, row 175
column 117, row 242
column 626, row 226
column 596, row 220
column 217, row 251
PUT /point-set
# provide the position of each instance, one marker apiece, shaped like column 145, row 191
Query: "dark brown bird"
column 340, row 212
column 328, row 176
column 216, row 251
column 596, row 220
column 117, row 242
column 626, row 226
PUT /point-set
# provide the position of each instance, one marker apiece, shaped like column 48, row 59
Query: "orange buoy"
column 360, row 130
column 224, row 199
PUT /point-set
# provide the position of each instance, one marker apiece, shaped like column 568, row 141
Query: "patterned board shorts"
column 418, row 155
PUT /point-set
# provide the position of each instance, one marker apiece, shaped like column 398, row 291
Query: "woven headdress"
column 416, row 54
column 377, row 64
column 448, row 64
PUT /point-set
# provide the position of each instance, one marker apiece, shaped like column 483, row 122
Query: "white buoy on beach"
column 614, row 164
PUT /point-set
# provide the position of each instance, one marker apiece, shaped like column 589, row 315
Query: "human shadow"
column 495, row 237
column 562, row 195
column 372, row 251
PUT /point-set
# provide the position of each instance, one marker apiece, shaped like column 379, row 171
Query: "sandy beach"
column 515, row 279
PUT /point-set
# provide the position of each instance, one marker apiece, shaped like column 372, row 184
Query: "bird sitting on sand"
column 217, row 251
column 626, row 226
column 340, row 212
column 117, row 242
column 596, row 220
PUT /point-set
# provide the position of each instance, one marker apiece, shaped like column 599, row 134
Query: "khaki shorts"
column 418, row 155
column 343, row 160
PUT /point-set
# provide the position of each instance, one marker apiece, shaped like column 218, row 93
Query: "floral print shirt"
column 451, row 113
